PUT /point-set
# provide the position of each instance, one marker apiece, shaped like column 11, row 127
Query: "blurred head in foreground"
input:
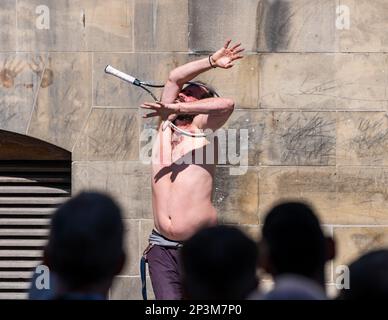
column 85, row 247
column 368, row 277
column 219, row 263
column 293, row 243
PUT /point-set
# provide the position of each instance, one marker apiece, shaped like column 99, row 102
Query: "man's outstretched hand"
column 164, row 110
column 225, row 57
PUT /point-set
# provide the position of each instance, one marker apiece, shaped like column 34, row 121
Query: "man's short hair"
column 210, row 91
column 294, row 239
column 219, row 263
column 86, row 240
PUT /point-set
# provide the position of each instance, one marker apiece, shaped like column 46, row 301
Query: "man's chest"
column 188, row 149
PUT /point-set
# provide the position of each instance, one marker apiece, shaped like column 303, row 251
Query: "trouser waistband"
column 157, row 239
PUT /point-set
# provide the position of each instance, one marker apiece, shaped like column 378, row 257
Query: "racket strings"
column 143, row 84
column 149, row 92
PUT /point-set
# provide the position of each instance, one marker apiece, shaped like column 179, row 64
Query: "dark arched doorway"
column 35, row 177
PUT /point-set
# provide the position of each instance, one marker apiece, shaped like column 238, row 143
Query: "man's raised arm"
column 223, row 58
column 180, row 75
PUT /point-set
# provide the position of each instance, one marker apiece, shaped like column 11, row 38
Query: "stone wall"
column 311, row 91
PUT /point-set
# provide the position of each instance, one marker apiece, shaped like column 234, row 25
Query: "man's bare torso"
column 182, row 189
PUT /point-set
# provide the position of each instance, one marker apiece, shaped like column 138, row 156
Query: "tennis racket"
column 142, row 84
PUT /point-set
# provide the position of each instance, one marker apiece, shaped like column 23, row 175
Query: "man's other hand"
column 224, row 57
column 163, row 110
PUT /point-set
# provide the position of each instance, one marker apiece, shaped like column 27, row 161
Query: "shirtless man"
column 182, row 192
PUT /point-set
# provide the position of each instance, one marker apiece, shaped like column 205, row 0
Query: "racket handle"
column 121, row 75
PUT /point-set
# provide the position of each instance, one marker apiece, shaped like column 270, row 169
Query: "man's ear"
column 330, row 248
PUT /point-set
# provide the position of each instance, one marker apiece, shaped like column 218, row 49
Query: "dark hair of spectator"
column 86, row 240
column 219, row 263
column 294, row 240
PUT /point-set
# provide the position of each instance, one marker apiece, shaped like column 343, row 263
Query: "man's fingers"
column 238, row 51
column 149, row 105
column 143, row 106
column 236, row 46
column 150, row 115
column 229, row 65
column 227, row 43
column 237, row 57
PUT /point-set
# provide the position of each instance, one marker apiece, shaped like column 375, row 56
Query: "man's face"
column 191, row 93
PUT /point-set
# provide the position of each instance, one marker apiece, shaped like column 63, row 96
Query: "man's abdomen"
column 182, row 204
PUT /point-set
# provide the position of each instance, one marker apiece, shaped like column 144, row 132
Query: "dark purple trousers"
column 165, row 272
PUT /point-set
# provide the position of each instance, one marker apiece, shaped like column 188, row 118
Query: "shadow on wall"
column 274, row 17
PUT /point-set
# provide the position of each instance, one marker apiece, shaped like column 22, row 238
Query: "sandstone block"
column 298, row 26
column 316, row 186
column 211, row 23
column 161, row 25
column 122, row 180
column 353, row 242
column 110, row 134
column 303, row 81
column 75, row 25
column 368, row 25
column 299, row 138
column 324, row 81
column 362, row 195
column 362, row 138
column 64, row 99
column 8, row 25
column 236, row 197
